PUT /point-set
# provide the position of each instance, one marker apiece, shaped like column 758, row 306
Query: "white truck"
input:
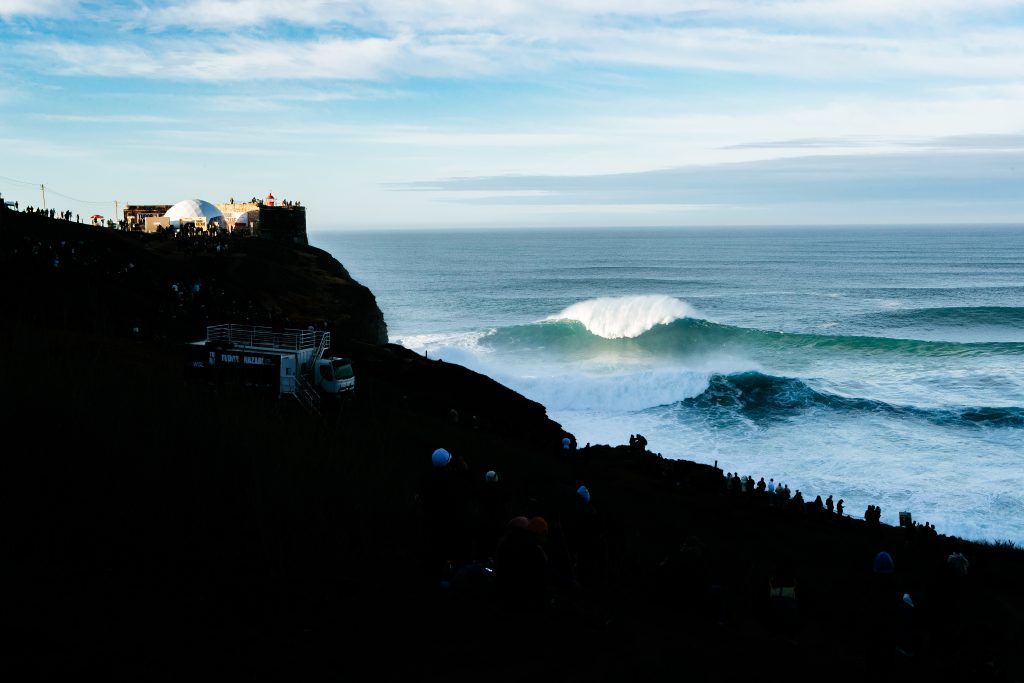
column 284, row 361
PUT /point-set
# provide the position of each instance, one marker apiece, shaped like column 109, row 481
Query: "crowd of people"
column 477, row 536
column 778, row 494
column 190, row 231
column 482, row 544
column 470, row 523
column 184, row 300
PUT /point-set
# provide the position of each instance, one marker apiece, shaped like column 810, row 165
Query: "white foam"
column 433, row 342
column 612, row 393
column 611, row 387
column 626, row 316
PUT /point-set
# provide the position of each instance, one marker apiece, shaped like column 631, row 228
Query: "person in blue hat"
column 584, row 536
column 444, row 497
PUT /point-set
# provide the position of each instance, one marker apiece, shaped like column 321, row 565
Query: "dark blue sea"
column 879, row 365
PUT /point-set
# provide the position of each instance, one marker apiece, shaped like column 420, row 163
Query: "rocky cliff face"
column 161, row 288
column 78, row 279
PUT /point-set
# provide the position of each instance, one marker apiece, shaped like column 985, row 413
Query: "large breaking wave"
column 694, row 336
column 751, row 395
column 641, row 352
column 758, row 396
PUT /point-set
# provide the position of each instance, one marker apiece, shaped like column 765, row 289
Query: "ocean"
column 880, row 365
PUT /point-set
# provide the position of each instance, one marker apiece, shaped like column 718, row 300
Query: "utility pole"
column 116, row 221
column 42, row 188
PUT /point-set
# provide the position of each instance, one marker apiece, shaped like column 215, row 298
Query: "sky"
column 521, row 113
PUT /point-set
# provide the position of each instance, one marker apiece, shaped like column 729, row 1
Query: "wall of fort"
column 283, row 223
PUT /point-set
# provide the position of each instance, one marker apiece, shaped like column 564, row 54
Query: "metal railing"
column 325, row 342
column 262, row 337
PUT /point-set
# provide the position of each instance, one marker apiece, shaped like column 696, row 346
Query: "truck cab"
column 334, row 376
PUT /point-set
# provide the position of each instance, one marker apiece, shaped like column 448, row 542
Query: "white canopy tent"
column 201, row 213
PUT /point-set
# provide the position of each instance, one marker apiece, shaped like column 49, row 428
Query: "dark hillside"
column 163, row 529
column 79, row 276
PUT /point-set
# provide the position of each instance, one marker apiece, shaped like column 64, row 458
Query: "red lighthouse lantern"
column 270, row 199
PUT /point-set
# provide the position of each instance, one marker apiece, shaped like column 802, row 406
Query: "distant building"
column 137, row 215
column 268, row 218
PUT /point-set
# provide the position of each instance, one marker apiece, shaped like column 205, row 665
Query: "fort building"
column 269, row 218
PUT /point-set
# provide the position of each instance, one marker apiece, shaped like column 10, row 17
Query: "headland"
column 165, row 529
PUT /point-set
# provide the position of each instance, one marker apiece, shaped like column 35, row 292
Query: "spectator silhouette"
column 444, row 496
column 883, row 603
column 583, row 535
column 521, row 566
column 950, row 627
column 783, row 602
column 494, row 514
column 683, row 584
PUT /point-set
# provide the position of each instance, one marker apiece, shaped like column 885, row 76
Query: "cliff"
column 111, row 282
column 161, row 528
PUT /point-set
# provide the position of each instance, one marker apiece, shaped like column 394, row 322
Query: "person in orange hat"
column 538, row 526
column 521, row 566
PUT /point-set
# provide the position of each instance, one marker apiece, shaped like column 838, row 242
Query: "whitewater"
column 883, row 366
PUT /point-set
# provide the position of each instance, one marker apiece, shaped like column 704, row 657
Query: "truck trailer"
column 281, row 361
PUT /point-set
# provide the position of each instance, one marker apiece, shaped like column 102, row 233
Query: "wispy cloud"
column 375, row 41
column 36, row 147
column 576, row 107
column 109, row 118
column 10, row 9
column 235, row 61
column 451, row 138
column 991, row 142
column 986, row 56
column 805, row 143
column 517, row 15
column 815, row 179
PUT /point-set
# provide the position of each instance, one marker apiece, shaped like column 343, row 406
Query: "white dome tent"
column 202, row 214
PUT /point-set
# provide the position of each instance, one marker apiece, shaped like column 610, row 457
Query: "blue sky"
column 445, row 113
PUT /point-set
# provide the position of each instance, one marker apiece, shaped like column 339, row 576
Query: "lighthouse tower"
column 269, row 201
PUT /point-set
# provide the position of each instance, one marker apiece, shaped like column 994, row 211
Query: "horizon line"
column 758, row 226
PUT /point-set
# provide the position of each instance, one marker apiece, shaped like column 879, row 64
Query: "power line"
column 14, row 180
column 59, row 194
column 81, row 201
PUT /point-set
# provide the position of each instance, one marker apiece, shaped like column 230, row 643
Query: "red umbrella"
column 95, row 215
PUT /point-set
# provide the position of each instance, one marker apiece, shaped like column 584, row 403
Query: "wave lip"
column 626, row 316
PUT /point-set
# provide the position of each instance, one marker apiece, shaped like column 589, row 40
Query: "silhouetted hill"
column 163, row 529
